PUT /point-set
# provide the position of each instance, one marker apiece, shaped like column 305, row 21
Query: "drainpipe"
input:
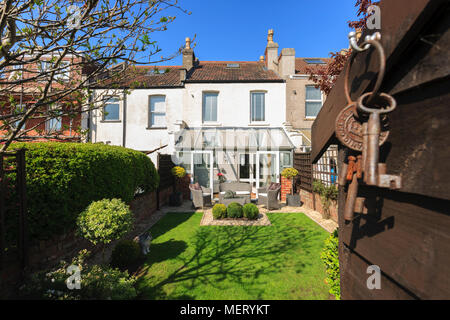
column 124, row 126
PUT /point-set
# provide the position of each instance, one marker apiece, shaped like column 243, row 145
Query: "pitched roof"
column 143, row 77
column 223, row 71
column 301, row 65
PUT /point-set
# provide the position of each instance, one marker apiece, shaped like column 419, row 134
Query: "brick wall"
column 315, row 203
column 286, row 187
column 47, row 253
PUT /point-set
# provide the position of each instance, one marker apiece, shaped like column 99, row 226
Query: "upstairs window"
column 313, row 102
column 157, row 112
column 111, row 109
column 63, row 70
column 209, row 112
column 55, row 123
column 258, row 106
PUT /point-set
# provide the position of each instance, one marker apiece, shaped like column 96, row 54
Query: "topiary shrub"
column 330, row 258
column 178, row 172
column 64, row 178
column 250, row 211
column 125, row 253
column 219, row 211
column 105, row 220
column 234, row 210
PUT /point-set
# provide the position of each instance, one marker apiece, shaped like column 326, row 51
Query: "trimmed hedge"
column 234, row 210
column 330, row 258
column 250, row 211
column 219, row 211
column 64, row 178
column 125, row 253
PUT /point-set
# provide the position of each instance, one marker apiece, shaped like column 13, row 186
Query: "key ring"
column 385, row 96
column 381, row 71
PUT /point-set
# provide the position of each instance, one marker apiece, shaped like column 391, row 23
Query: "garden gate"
column 405, row 232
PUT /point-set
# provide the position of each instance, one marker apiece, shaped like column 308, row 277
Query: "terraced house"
column 232, row 117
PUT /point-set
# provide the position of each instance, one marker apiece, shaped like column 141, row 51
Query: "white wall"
column 234, row 103
column 185, row 104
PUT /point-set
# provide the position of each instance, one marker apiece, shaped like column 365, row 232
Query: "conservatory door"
column 268, row 168
column 202, row 168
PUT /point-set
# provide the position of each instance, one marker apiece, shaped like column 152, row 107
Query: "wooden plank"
column 354, row 281
column 407, row 236
column 401, row 21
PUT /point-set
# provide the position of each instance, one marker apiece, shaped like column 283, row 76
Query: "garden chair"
column 268, row 196
column 201, row 196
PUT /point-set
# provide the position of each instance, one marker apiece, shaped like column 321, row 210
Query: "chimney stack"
column 271, row 52
column 188, row 56
column 286, row 65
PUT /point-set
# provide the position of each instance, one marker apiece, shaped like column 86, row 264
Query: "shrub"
column 327, row 195
column 178, row 172
column 250, row 211
column 64, row 178
column 125, row 253
column 234, row 210
column 330, row 258
column 104, row 221
column 97, row 283
column 219, row 211
column 289, row 173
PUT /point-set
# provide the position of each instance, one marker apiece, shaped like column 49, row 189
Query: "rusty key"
column 354, row 173
column 371, row 135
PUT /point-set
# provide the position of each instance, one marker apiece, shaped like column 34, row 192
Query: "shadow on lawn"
column 229, row 256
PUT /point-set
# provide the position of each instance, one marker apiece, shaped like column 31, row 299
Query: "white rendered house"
column 211, row 116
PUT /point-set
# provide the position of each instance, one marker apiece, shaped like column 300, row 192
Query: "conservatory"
column 253, row 155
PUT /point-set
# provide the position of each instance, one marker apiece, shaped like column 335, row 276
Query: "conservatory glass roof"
column 232, row 138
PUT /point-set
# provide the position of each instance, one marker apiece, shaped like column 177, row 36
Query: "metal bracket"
column 354, row 44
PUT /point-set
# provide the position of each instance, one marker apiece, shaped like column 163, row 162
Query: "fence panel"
column 302, row 162
column 325, row 170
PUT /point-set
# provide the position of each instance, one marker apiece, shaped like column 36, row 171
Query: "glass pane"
column 158, row 104
column 210, row 107
column 111, row 111
column 313, row 108
column 257, row 108
column 158, row 120
column 313, row 93
column 54, row 124
column 202, row 169
column 267, row 169
column 285, row 161
column 244, row 166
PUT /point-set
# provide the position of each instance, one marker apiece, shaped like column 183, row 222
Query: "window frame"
column 216, row 93
column 49, row 129
column 150, row 112
column 312, row 100
column 264, row 92
column 104, row 107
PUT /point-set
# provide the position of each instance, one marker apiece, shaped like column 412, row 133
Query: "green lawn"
column 281, row 261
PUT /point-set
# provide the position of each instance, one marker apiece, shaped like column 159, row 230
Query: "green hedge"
column 330, row 258
column 64, row 178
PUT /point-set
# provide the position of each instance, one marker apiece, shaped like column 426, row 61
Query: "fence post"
column 2, row 214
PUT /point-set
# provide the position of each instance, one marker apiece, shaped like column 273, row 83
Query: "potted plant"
column 176, row 198
column 291, row 199
column 221, row 176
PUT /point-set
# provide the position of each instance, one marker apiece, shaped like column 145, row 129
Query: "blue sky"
column 237, row 30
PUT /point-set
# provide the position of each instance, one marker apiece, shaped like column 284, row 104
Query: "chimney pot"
column 188, row 43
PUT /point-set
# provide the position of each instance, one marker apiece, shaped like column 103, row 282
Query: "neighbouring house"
column 303, row 99
column 229, row 117
column 62, row 128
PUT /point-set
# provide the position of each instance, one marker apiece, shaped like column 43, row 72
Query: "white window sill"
column 258, row 124
column 310, row 118
column 211, row 124
column 110, row 121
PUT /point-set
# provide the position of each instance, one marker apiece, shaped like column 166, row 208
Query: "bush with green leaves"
column 64, row 178
column 289, row 173
column 178, row 172
column 234, row 210
column 330, row 258
column 105, row 220
column 125, row 254
column 219, row 211
column 229, row 194
column 250, row 211
column 327, row 195
column 97, row 283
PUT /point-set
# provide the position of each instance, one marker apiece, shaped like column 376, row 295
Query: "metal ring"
column 382, row 70
column 390, row 99
column 347, row 73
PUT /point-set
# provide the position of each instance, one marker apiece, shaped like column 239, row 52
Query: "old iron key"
column 354, row 172
column 371, row 136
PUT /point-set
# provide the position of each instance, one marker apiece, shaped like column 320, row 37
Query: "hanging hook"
column 354, row 43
